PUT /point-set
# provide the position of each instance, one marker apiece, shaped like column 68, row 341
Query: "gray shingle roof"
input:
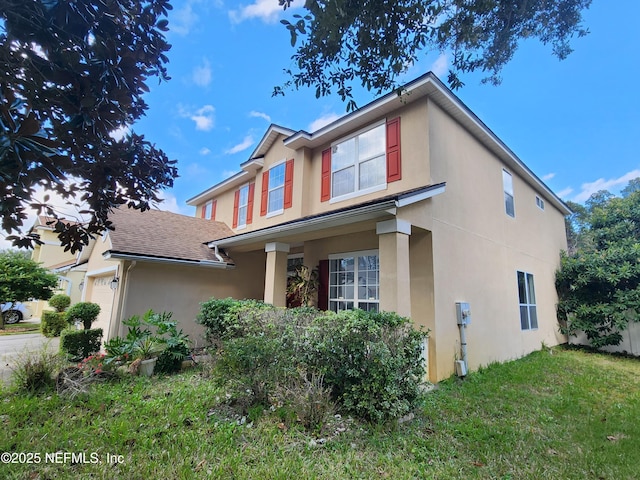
column 161, row 234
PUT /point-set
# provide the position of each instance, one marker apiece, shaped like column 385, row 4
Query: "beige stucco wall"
column 180, row 289
column 478, row 249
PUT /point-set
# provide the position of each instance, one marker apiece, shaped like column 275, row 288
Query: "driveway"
column 13, row 346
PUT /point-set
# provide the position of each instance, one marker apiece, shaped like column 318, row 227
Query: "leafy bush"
column 153, row 329
column 52, row 323
column 84, row 312
column 370, row 362
column 35, row 371
column 79, row 344
column 60, row 302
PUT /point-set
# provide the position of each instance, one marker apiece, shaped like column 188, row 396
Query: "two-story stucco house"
column 410, row 204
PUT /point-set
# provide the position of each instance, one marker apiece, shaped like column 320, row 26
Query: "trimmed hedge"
column 60, row 302
column 371, row 361
column 84, row 312
column 52, row 323
column 79, row 344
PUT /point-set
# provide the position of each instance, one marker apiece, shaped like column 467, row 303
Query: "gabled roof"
column 48, row 223
column 249, row 168
column 156, row 235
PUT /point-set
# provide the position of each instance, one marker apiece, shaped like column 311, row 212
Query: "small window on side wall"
column 507, row 185
column 539, row 203
column 527, row 299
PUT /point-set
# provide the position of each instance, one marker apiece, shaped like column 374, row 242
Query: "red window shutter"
column 323, row 285
column 394, row 167
column 288, row 184
column 325, row 188
column 236, row 202
column 214, row 204
column 252, row 188
column 264, row 197
column 203, row 211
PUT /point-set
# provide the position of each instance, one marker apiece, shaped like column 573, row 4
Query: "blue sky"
column 575, row 123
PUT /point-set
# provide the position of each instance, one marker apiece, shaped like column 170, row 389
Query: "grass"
column 19, row 328
column 560, row 414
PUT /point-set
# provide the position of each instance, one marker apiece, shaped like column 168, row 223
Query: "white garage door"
column 102, row 294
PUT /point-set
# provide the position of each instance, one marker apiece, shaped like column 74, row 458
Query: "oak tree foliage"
column 71, row 73
column 339, row 42
column 598, row 283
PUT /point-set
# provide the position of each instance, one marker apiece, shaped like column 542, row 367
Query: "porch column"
column 395, row 278
column 275, row 277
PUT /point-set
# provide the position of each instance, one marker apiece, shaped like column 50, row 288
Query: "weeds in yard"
column 35, row 372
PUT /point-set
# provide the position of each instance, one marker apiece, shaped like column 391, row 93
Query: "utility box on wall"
column 463, row 313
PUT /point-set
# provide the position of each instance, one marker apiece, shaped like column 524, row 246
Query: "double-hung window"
column 275, row 203
column 527, row 298
column 243, row 204
column 358, row 164
column 507, row 186
column 354, row 281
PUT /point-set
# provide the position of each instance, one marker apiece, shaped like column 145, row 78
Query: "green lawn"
column 559, row 415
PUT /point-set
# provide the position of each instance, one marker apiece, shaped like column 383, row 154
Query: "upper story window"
column 363, row 163
column 539, row 203
column 209, row 210
column 507, row 185
column 275, row 202
column 358, row 163
column 277, row 189
column 243, row 204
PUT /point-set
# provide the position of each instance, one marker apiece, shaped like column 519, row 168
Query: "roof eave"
column 113, row 255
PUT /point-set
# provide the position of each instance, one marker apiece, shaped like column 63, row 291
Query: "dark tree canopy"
column 374, row 41
column 71, row 73
column 599, row 282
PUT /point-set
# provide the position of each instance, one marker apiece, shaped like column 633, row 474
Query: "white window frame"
column 208, row 210
column 539, row 202
column 279, row 211
column 243, row 223
column 356, row 164
column 334, row 301
column 527, row 305
column 507, row 187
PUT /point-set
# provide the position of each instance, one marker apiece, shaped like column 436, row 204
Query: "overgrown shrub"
column 370, row 362
column 52, row 323
column 34, row 372
column 60, row 302
column 83, row 312
column 79, row 344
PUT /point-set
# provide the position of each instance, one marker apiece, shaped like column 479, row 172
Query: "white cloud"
column 203, row 117
column 548, row 176
column 182, row 20
column 588, row 189
column 441, row 65
column 204, row 151
column 255, row 114
column 320, row 122
column 565, row 192
column 266, row 10
column 228, row 174
column 201, row 75
column 246, row 143
column 170, row 204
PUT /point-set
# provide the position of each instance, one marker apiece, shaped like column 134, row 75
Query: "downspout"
column 124, row 286
column 216, row 252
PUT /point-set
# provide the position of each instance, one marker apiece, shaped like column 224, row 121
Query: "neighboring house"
column 52, row 256
column 409, row 204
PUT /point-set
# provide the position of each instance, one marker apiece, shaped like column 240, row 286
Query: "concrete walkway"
column 12, row 347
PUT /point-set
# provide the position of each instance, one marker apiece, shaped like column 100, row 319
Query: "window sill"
column 358, row 193
column 275, row 213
